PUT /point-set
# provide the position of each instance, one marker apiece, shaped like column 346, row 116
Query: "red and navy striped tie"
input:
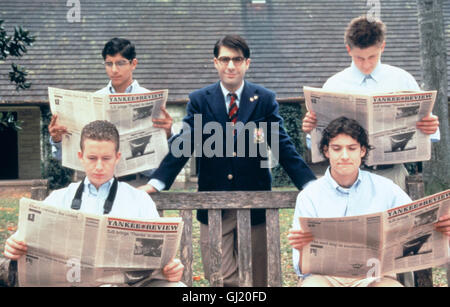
column 232, row 113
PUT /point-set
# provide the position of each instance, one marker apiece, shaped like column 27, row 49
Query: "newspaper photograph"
column 398, row 240
column 71, row 248
column 389, row 119
column 142, row 145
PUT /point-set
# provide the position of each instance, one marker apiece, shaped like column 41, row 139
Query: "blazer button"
column 230, row 176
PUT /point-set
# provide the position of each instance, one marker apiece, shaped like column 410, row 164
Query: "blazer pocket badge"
column 258, row 136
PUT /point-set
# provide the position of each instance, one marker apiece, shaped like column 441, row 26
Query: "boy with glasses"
column 120, row 61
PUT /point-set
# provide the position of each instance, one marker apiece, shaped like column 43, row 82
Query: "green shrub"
column 292, row 115
column 51, row 168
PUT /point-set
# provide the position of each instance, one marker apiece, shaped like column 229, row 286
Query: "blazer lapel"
column 249, row 99
column 216, row 103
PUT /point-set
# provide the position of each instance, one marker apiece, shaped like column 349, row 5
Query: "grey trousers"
column 230, row 270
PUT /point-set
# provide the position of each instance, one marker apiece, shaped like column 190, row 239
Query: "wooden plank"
column 8, row 273
column 415, row 186
column 244, row 248
column 273, row 248
column 416, row 190
column 186, row 253
column 225, row 200
column 448, row 274
column 39, row 189
column 215, row 247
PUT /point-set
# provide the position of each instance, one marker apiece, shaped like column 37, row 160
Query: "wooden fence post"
column 416, row 190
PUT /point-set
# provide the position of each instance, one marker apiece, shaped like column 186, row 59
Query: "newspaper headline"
column 398, row 240
column 143, row 146
column 72, row 248
column 390, row 120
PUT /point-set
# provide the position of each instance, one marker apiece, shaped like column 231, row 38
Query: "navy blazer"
column 243, row 170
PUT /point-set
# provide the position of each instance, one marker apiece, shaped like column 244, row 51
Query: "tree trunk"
column 433, row 53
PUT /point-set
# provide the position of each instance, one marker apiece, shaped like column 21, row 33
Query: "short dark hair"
column 363, row 33
column 100, row 130
column 119, row 46
column 235, row 42
column 344, row 125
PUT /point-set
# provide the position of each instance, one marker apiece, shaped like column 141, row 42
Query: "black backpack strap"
column 111, row 197
column 76, row 202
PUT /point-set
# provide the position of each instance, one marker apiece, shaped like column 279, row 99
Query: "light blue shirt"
column 129, row 203
column 134, row 88
column 228, row 98
column 383, row 79
column 370, row 193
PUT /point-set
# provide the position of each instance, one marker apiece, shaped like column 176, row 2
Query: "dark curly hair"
column 119, row 46
column 344, row 125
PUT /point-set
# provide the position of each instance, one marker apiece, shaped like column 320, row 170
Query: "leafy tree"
column 14, row 46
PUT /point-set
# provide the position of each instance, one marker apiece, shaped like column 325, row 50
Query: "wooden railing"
column 242, row 202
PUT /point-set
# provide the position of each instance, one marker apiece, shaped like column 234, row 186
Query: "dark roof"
column 293, row 42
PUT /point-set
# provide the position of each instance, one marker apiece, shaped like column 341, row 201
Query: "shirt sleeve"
column 60, row 198
column 56, row 149
column 400, row 197
column 303, row 208
column 157, row 184
column 148, row 208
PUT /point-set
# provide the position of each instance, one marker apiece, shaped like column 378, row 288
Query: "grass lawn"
column 9, row 210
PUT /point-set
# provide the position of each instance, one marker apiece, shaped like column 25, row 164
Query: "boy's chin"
column 99, row 181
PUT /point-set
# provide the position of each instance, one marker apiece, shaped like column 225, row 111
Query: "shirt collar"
column 337, row 187
column 129, row 89
column 238, row 92
column 360, row 76
column 102, row 191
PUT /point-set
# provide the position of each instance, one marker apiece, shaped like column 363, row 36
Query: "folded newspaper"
column 398, row 240
column 71, row 248
column 143, row 146
column 390, row 120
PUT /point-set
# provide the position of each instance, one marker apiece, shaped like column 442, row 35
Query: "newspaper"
column 398, row 240
column 72, row 248
column 390, row 120
column 143, row 146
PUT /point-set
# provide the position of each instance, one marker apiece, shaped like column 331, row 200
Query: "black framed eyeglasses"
column 225, row 60
column 119, row 64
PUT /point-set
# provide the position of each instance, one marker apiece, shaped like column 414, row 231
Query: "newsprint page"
column 142, row 146
column 71, row 248
column 389, row 119
column 398, row 240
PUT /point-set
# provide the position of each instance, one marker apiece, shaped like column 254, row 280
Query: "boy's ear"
column 80, row 155
column 363, row 151
column 325, row 152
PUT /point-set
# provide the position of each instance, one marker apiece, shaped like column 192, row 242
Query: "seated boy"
column 345, row 190
column 101, row 193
